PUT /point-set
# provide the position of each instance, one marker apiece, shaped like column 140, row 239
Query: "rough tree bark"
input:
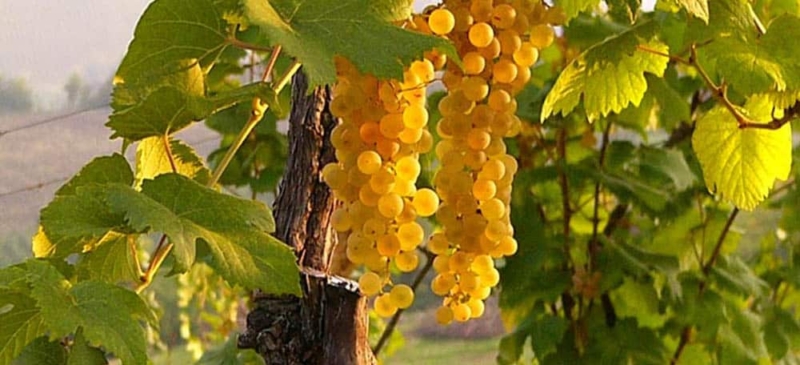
column 329, row 324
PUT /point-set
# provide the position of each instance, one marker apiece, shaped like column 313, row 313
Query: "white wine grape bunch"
column 378, row 143
column 498, row 41
column 384, row 130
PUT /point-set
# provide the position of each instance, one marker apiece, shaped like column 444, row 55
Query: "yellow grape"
column 500, row 100
column 478, row 139
column 496, row 230
column 410, row 135
column 407, row 261
column 334, row 175
column 490, row 277
column 503, row 16
column 369, row 162
column 384, row 306
column 507, row 246
column 476, row 308
column 481, row 34
column 442, row 284
column 460, row 261
column 444, row 315
column 438, row 244
column 373, row 228
column 461, row 312
column 382, row 181
column 481, row 10
column 475, row 88
column 408, row 168
column 542, row 36
column 474, row 63
column 391, row 125
column 484, row 190
column 424, row 69
column 469, row 281
column 482, row 264
column 441, row 21
column 411, row 235
column 492, row 50
column 340, row 220
column 370, row 283
column 493, row 208
column 510, row 42
column 388, row 245
column 368, row 196
column 441, row 264
column 402, row 296
column 425, row 202
column 415, row 116
column 493, row 169
column 526, row 55
column 504, row 71
column 390, row 205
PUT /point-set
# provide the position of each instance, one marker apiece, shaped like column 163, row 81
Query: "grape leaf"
column 42, row 351
column 166, row 110
column 82, row 354
column 112, row 261
column 108, row 314
column 235, row 230
column 72, row 222
column 747, row 60
column 574, row 7
column 169, row 33
column 152, row 160
column 101, row 170
column 741, row 165
column 609, row 76
column 315, row 32
column 22, row 323
column 698, row 8
column 169, row 109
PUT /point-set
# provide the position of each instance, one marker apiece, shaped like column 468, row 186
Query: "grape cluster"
column 498, row 42
column 378, row 143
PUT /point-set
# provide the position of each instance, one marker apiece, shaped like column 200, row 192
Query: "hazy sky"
column 44, row 41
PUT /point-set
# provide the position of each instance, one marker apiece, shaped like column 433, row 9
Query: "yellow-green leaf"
column 741, row 165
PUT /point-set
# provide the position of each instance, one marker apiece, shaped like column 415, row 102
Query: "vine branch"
column 720, row 93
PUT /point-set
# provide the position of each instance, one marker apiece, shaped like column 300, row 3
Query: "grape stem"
column 720, row 92
column 387, row 332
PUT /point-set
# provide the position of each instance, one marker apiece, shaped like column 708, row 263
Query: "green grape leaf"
column 574, row 7
column 42, row 351
column 152, row 159
column 315, row 32
column 546, row 333
column 101, row 170
column 72, row 223
column 747, row 60
column 108, row 314
column 741, row 342
column 189, row 79
column 165, row 111
column 82, row 354
column 112, row 261
column 169, row 33
column 741, row 165
column 733, row 274
column 22, row 323
column 235, row 230
column 698, row 8
column 608, row 77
